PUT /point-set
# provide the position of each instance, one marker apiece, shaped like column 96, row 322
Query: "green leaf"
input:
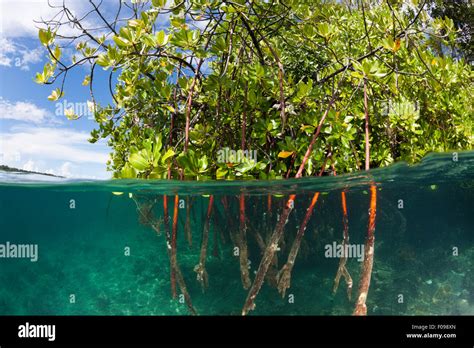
column 103, row 60
column 121, row 42
column 161, row 38
column 127, row 172
column 245, row 167
column 138, row 162
column 40, row 79
column 158, row 3
column 158, row 144
column 57, row 53
column 55, row 95
column 203, row 163
column 45, row 36
column 86, row 81
column 168, row 154
column 221, row 172
column 184, row 162
column 69, row 113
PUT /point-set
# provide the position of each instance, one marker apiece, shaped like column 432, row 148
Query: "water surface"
column 96, row 256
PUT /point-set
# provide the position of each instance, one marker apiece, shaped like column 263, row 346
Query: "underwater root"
column 361, row 307
column 279, row 229
column 217, row 217
column 228, row 217
column 284, row 276
column 342, row 269
column 200, row 268
column 272, row 273
column 176, row 275
column 187, row 224
column 184, row 290
column 166, row 219
column 243, row 250
column 145, row 213
column 173, row 252
column 267, row 258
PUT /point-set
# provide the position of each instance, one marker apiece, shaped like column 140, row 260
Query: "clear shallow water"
column 424, row 251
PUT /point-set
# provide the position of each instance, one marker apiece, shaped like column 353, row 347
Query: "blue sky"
column 34, row 133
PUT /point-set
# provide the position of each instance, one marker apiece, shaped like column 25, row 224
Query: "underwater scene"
column 121, row 247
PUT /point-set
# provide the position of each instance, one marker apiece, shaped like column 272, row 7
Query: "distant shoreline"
column 10, row 169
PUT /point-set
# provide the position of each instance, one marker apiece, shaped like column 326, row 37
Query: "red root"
column 284, row 276
column 243, row 251
column 176, row 275
column 361, row 307
column 187, row 225
column 342, row 269
column 200, row 268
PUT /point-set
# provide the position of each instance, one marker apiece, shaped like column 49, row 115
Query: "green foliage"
column 278, row 64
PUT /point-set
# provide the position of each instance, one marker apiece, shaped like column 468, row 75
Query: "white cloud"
column 22, row 111
column 16, row 55
column 65, row 169
column 31, row 166
column 17, row 17
column 60, row 151
column 7, row 48
column 60, row 144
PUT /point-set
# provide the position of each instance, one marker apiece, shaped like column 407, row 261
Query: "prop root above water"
column 284, row 276
column 200, row 268
column 342, row 269
column 278, row 232
column 361, row 307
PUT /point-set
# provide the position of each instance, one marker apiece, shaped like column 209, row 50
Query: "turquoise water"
column 96, row 257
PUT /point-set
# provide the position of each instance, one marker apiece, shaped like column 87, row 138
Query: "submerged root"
column 342, row 269
column 184, row 289
column 243, row 251
column 284, row 276
column 145, row 213
column 361, row 307
column 233, row 233
column 272, row 273
column 202, row 276
column 217, row 217
column 176, row 275
column 187, row 224
column 267, row 258
column 173, row 251
column 200, row 268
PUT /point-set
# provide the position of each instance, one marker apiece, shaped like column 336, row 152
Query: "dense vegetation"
column 259, row 76
column 275, row 89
